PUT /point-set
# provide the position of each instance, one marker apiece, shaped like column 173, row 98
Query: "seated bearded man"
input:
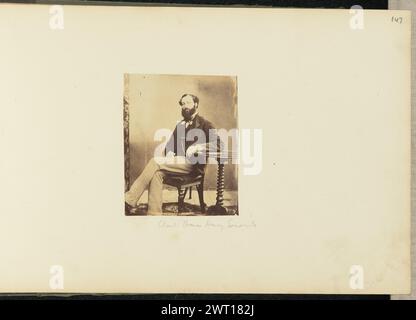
column 185, row 153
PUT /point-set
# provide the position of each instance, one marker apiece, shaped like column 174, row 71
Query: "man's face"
column 188, row 107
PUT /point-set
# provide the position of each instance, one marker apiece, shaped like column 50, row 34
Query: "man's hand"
column 195, row 149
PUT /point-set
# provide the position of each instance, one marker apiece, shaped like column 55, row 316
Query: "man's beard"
column 188, row 113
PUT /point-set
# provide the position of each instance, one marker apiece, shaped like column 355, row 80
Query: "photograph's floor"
column 192, row 208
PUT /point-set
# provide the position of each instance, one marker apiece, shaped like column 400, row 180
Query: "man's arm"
column 171, row 144
column 212, row 142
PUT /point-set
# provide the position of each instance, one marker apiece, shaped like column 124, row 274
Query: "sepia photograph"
column 180, row 145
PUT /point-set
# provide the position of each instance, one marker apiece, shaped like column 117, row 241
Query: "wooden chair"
column 185, row 182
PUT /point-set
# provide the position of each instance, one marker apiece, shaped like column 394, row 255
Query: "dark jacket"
column 179, row 144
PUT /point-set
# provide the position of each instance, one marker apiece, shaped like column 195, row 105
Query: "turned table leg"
column 218, row 208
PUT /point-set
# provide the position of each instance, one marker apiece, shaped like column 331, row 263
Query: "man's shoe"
column 128, row 209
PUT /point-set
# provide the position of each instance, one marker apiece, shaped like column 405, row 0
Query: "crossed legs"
column 151, row 178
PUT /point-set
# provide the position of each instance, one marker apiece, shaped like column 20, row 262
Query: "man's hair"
column 195, row 98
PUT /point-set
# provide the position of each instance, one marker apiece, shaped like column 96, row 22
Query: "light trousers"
column 151, row 178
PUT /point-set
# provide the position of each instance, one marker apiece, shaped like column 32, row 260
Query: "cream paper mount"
column 329, row 211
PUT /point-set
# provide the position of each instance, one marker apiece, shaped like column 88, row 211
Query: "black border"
column 328, row 4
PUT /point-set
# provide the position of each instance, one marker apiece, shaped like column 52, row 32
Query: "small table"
column 218, row 208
